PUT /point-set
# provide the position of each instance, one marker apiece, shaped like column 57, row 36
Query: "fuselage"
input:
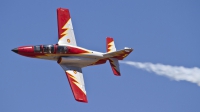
column 63, row 54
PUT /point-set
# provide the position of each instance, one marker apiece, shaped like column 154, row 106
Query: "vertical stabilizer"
column 110, row 45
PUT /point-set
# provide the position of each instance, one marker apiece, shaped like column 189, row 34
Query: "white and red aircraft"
column 73, row 58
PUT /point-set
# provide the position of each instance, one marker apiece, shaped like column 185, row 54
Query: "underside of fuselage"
column 80, row 61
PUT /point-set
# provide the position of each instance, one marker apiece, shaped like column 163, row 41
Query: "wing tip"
column 60, row 8
column 117, row 73
column 82, row 100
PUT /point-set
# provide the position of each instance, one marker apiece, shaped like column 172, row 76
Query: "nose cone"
column 15, row 50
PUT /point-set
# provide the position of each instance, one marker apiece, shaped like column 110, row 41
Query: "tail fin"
column 113, row 61
column 113, row 56
column 110, row 44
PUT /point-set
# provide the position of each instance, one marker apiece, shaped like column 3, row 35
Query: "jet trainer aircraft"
column 73, row 58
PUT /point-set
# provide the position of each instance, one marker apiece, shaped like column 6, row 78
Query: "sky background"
column 160, row 31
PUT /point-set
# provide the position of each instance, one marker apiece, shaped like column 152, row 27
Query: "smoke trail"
column 174, row 72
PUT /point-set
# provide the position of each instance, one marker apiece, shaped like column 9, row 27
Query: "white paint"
column 69, row 34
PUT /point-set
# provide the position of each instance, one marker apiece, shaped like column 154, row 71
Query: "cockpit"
column 50, row 49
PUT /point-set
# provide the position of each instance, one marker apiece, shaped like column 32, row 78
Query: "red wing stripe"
column 115, row 68
column 109, row 40
column 63, row 17
column 79, row 95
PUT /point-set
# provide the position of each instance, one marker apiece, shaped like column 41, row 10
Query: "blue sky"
column 160, row 31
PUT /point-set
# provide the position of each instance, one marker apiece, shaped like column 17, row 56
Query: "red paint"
column 115, row 71
column 28, row 51
column 74, row 50
column 79, row 95
column 108, row 41
column 62, row 17
column 55, row 48
column 122, row 56
column 25, row 49
column 99, row 62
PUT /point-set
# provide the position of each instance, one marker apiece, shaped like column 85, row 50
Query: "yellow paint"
column 111, row 45
column 66, row 29
column 76, row 82
column 68, row 40
column 75, row 71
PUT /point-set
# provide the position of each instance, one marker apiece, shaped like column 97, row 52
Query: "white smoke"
column 174, row 72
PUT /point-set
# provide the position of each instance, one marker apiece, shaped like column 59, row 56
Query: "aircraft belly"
column 76, row 61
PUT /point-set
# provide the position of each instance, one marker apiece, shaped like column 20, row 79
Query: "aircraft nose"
column 15, row 50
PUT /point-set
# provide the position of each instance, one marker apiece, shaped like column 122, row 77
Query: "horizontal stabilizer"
column 120, row 55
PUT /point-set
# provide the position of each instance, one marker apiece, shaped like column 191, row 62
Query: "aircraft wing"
column 76, row 81
column 65, row 28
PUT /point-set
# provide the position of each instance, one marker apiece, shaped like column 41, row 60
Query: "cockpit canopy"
column 49, row 49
